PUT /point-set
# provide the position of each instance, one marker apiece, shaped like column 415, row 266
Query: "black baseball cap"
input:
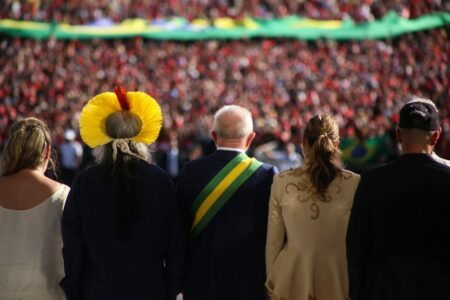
column 419, row 115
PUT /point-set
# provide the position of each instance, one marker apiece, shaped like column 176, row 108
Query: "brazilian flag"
column 360, row 154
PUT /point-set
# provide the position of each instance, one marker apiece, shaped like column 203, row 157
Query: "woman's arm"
column 275, row 229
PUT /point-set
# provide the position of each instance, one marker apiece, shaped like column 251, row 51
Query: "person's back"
column 410, row 227
column 71, row 153
column 225, row 259
column 121, row 229
column 31, row 205
column 129, row 267
column 308, row 215
column 230, row 250
column 397, row 239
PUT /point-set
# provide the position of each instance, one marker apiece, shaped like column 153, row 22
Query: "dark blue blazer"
column 101, row 266
column 226, row 260
column 398, row 239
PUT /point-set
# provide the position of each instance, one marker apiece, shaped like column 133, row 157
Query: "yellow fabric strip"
column 220, row 188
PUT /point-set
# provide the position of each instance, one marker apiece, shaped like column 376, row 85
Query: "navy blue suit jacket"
column 226, row 260
column 398, row 239
column 99, row 265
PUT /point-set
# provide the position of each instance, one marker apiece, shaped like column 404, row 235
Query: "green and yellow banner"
column 226, row 28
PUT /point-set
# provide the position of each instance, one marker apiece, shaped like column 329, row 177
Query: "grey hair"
column 233, row 122
column 104, row 154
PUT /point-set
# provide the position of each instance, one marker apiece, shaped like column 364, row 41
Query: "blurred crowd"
column 88, row 11
column 283, row 83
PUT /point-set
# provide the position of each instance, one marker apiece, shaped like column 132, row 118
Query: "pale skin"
column 242, row 143
column 28, row 187
column 417, row 141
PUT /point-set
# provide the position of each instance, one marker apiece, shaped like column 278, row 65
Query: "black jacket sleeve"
column 72, row 244
column 358, row 240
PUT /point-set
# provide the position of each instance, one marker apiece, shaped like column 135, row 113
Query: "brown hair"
column 322, row 135
column 26, row 146
column 122, row 125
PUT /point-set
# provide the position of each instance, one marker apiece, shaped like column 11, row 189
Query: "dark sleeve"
column 72, row 244
column 184, row 210
column 358, row 240
column 176, row 248
column 183, row 202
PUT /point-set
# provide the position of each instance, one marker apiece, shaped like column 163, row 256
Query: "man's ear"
column 399, row 135
column 249, row 140
column 214, row 136
column 435, row 137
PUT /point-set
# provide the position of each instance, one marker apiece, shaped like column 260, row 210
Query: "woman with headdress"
column 31, row 205
column 121, row 231
column 308, row 215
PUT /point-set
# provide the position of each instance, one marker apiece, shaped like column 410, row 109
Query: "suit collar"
column 225, row 154
column 230, row 149
column 415, row 158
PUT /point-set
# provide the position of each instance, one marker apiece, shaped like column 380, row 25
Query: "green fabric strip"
column 216, row 180
column 179, row 29
column 225, row 197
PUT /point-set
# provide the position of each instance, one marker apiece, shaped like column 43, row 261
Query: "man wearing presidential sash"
column 224, row 200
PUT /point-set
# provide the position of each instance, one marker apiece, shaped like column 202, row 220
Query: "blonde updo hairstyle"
column 321, row 136
column 26, row 147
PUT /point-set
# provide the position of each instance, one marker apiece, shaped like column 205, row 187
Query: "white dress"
column 31, row 264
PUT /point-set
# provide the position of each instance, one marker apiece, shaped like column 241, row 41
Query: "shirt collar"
column 231, row 149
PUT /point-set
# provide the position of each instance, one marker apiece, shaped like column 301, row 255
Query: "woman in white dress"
column 31, row 205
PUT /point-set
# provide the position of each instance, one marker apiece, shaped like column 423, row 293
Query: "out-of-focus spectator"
column 195, row 152
column 172, row 158
column 71, row 155
column 282, row 82
column 283, row 155
column 89, row 11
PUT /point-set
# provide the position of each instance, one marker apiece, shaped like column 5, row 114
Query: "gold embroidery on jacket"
column 308, row 192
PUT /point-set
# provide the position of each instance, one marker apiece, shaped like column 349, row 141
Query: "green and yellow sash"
column 220, row 189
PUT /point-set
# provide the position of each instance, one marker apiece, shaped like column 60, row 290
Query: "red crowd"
column 86, row 11
column 283, row 82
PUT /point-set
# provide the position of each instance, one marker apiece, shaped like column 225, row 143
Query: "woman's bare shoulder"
column 25, row 190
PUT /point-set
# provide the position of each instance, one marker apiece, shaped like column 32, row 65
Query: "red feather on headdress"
column 121, row 94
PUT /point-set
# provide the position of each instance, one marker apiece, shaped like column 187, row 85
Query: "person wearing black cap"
column 398, row 244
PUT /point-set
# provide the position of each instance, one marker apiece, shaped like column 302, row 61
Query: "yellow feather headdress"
column 95, row 113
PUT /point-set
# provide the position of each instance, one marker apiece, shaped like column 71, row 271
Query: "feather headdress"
column 99, row 108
